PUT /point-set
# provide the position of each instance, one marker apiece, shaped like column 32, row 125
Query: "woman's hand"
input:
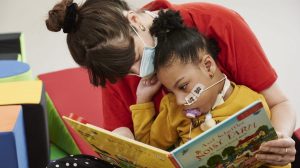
column 278, row 152
column 146, row 89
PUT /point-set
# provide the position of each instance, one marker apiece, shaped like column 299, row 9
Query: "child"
column 200, row 94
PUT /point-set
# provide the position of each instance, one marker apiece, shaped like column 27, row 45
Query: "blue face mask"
column 147, row 66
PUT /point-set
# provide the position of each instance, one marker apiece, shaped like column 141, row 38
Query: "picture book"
column 231, row 143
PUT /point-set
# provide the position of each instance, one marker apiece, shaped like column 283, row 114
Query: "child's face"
column 181, row 78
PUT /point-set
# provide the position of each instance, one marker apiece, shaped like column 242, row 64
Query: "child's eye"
column 183, row 87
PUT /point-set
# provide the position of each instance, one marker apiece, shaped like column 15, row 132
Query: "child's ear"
column 209, row 65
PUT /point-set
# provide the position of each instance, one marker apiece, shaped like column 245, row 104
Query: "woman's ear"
column 135, row 20
column 132, row 17
column 209, row 65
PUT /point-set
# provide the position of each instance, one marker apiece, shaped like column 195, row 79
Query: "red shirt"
column 241, row 58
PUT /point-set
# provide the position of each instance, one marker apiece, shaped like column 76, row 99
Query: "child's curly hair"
column 176, row 41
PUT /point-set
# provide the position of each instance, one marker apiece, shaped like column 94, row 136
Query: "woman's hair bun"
column 56, row 16
column 167, row 21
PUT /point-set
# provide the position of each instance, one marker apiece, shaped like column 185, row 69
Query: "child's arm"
column 157, row 131
column 149, row 129
column 146, row 90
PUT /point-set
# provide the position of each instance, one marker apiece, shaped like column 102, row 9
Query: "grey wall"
column 276, row 24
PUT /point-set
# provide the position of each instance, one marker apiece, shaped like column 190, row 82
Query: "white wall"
column 276, row 24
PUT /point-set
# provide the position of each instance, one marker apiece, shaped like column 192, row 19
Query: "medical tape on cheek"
column 190, row 99
column 195, row 93
column 198, row 89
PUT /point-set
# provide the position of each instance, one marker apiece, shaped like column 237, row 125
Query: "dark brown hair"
column 100, row 39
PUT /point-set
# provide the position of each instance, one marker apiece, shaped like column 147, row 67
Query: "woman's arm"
column 283, row 116
column 281, row 151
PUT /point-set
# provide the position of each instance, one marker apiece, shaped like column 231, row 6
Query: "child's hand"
column 124, row 131
column 146, row 89
column 278, row 152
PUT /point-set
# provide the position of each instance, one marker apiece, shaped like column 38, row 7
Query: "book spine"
column 174, row 161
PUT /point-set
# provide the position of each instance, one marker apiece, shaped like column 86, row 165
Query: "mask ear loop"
column 138, row 35
column 154, row 15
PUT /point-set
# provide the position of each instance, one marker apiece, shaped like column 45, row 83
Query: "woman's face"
column 180, row 78
column 140, row 42
column 140, row 25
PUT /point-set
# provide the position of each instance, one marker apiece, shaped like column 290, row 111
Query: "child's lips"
column 193, row 113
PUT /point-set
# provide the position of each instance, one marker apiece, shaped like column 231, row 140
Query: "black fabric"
column 10, row 43
column 80, row 161
column 296, row 163
column 9, row 56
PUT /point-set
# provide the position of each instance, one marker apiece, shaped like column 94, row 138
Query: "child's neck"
column 229, row 88
column 228, row 92
column 221, row 88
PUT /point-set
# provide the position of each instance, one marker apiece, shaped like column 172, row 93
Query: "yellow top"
column 175, row 126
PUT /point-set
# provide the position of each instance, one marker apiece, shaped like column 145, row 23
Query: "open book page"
column 232, row 143
column 120, row 150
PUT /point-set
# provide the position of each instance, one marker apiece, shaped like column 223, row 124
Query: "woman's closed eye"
column 135, row 68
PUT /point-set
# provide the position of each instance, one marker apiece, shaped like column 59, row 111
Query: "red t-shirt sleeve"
column 157, row 5
column 241, row 58
column 116, row 101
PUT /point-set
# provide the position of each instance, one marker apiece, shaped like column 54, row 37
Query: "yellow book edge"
column 120, row 150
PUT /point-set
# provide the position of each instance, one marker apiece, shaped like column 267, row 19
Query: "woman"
column 110, row 40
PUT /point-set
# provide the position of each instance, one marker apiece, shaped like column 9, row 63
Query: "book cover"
column 119, row 150
column 231, row 143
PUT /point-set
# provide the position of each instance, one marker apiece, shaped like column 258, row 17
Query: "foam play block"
column 12, row 70
column 10, row 56
column 31, row 95
column 69, row 91
column 56, row 152
column 13, row 153
column 58, row 132
column 13, row 43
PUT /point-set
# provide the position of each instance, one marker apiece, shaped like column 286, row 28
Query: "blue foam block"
column 13, row 153
column 10, row 68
